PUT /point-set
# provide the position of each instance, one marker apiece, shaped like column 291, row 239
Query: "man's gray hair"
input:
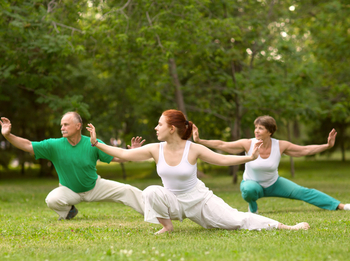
column 77, row 118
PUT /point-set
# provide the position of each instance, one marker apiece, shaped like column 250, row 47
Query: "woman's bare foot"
column 163, row 230
column 167, row 226
column 343, row 206
column 302, row 225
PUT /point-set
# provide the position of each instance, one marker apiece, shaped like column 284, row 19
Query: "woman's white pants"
column 201, row 206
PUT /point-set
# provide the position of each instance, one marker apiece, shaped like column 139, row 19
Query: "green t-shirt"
column 75, row 165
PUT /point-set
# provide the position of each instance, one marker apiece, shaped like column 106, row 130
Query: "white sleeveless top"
column 177, row 179
column 263, row 171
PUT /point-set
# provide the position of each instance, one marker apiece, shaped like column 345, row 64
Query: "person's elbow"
column 298, row 154
column 29, row 149
column 118, row 160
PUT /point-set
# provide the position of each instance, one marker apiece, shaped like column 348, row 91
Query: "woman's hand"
column 92, row 131
column 136, row 142
column 256, row 149
column 331, row 138
column 195, row 133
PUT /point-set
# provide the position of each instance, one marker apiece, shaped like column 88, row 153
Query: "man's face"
column 69, row 127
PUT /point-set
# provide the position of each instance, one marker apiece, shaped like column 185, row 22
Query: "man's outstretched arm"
column 18, row 142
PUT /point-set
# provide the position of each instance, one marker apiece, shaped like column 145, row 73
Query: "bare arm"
column 123, row 155
column 211, row 157
column 18, row 142
column 138, row 154
column 294, row 150
column 233, row 147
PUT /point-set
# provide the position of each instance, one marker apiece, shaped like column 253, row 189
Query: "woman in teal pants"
column 261, row 179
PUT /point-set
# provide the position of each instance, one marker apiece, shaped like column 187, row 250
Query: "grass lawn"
column 29, row 230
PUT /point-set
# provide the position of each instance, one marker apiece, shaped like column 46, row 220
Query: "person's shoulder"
column 196, row 146
column 248, row 141
column 153, row 145
column 86, row 139
column 281, row 142
column 54, row 140
column 283, row 145
column 47, row 143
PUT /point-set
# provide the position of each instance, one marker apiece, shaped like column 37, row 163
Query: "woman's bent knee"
column 247, row 195
column 251, row 190
column 151, row 191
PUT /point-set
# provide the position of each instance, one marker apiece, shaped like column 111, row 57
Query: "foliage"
column 121, row 63
column 328, row 23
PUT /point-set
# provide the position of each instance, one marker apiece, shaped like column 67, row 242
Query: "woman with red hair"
column 183, row 194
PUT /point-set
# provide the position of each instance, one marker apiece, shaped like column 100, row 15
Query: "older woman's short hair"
column 268, row 122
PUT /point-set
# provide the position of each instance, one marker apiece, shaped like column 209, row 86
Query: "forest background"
column 223, row 63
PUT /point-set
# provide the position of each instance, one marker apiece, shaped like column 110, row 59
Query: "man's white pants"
column 62, row 198
column 201, row 206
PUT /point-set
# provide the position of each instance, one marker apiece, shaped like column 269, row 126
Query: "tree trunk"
column 235, row 130
column 123, row 170
column 292, row 170
column 21, row 161
column 342, row 151
column 178, row 92
column 233, row 170
column 45, row 169
column 122, row 165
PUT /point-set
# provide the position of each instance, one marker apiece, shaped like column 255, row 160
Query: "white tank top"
column 263, row 171
column 178, row 179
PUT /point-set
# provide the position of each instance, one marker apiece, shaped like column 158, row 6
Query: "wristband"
column 93, row 145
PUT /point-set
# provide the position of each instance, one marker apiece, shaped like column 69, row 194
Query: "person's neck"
column 175, row 143
column 266, row 143
column 74, row 140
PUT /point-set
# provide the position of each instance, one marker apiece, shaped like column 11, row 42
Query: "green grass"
column 29, row 230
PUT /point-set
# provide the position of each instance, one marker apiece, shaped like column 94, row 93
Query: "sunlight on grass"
column 109, row 231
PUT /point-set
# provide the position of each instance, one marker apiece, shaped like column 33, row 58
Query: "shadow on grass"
column 292, row 211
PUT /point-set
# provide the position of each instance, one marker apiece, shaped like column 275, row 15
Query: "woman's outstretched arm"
column 232, row 147
column 138, row 154
column 294, row 150
column 211, row 157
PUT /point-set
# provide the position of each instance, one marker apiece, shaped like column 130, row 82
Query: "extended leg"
column 287, row 189
column 112, row 191
column 219, row 214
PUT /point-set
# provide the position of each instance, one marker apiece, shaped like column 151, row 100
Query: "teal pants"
column 284, row 188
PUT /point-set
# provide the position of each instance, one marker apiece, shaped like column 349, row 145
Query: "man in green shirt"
column 75, row 161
